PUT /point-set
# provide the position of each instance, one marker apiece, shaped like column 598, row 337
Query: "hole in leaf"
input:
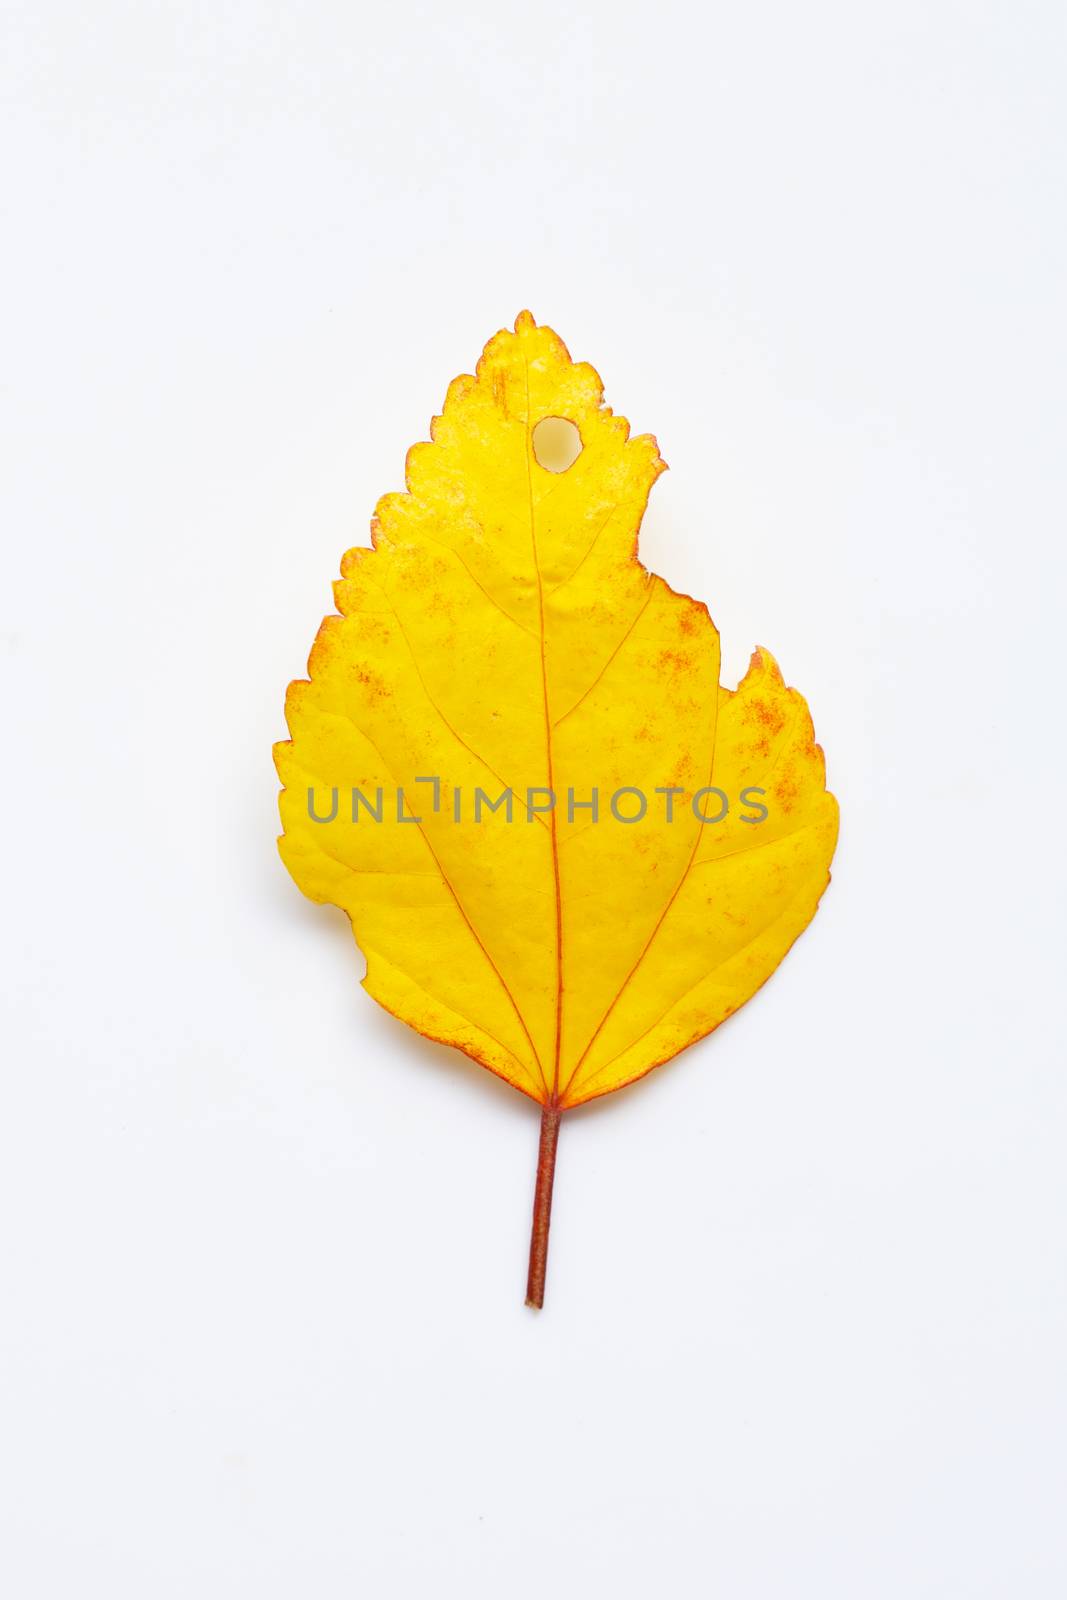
column 557, row 444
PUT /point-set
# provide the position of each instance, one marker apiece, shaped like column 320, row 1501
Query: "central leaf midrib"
column 554, row 1093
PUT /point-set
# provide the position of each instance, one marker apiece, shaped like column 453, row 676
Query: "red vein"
column 626, row 981
column 663, row 914
column 548, row 749
column 517, row 1081
column 659, row 920
column 575, row 570
column 767, row 926
column 640, row 613
column 531, row 813
column 347, row 716
column 493, row 601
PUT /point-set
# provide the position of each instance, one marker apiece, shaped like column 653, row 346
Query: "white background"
column 263, row 1247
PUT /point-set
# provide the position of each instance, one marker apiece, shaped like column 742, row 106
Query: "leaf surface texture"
column 500, row 634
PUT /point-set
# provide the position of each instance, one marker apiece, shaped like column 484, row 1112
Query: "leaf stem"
column 542, row 1206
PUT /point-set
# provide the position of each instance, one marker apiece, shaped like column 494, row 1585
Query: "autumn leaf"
column 563, row 847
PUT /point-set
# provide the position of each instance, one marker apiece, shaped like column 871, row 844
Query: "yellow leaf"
column 502, row 638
